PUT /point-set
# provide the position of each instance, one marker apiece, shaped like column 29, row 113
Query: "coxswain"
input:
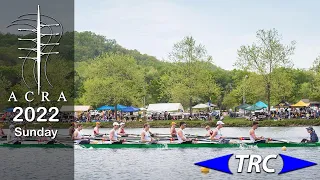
column 78, row 137
column 113, row 135
column 2, row 134
column 173, row 131
column 146, row 136
column 313, row 136
column 96, row 132
column 181, row 135
column 252, row 134
column 11, row 137
column 121, row 131
column 71, row 129
column 209, row 131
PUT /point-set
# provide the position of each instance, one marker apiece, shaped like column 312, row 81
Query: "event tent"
column 130, row 109
column 105, row 107
column 243, row 106
column 161, row 107
column 283, row 104
column 300, row 104
column 253, row 108
column 9, row 110
column 120, row 107
column 261, row 104
column 200, row 106
column 75, row 108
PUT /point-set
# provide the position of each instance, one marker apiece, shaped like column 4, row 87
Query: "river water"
column 178, row 164
column 159, row 164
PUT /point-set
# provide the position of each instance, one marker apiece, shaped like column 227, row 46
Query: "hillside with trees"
column 107, row 73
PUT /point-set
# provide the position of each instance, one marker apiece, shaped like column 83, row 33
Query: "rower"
column 313, row 136
column 113, row 134
column 180, row 134
column 173, row 131
column 71, row 129
column 121, row 131
column 96, row 130
column 11, row 137
column 252, row 133
column 146, row 136
column 217, row 135
column 210, row 132
column 77, row 136
column 2, row 134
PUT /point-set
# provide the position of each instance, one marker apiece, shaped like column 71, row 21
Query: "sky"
column 154, row 26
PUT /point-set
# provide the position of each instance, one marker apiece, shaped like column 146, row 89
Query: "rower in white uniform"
column 181, row 135
column 78, row 137
column 113, row 135
column 217, row 135
column 252, row 134
column 11, row 137
column 146, row 136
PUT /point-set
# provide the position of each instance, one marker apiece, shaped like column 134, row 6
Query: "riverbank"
column 229, row 122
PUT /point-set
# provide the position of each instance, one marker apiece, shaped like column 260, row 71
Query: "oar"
column 239, row 138
column 281, row 140
column 91, row 135
column 62, row 143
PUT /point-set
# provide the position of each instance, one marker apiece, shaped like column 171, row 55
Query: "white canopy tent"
column 161, row 107
column 75, row 108
column 200, row 106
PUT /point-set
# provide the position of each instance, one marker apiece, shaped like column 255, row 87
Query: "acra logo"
column 222, row 163
column 45, row 33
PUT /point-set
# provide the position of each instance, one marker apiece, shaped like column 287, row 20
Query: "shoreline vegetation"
column 229, row 122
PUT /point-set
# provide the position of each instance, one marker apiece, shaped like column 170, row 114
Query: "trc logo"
column 222, row 163
column 254, row 163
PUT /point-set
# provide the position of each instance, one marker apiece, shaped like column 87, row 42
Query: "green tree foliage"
column 264, row 56
column 193, row 78
column 111, row 79
column 316, row 65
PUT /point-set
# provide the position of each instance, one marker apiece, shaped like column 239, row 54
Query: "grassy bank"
column 229, row 122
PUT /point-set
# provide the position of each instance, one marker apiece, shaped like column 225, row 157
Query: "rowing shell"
column 199, row 145
column 163, row 145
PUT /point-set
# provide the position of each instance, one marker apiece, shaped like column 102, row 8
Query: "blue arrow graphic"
column 292, row 164
column 219, row 163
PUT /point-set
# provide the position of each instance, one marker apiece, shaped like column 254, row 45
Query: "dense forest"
column 107, row 73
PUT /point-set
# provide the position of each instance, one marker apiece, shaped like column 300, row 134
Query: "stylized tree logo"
column 39, row 47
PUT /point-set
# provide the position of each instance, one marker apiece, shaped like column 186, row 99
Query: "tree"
column 267, row 54
column 89, row 45
column 111, row 79
column 282, row 85
column 316, row 65
column 192, row 78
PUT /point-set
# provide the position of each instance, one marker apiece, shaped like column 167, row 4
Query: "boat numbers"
column 31, row 114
